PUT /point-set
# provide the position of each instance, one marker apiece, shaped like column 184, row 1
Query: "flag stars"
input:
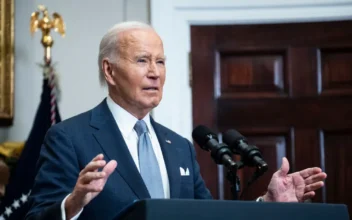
column 24, row 198
column 8, row 211
column 15, row 204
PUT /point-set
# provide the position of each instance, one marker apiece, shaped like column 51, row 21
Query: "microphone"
column 208, row 141
column 250, row 154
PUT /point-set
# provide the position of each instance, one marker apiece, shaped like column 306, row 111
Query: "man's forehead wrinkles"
column 136, row 43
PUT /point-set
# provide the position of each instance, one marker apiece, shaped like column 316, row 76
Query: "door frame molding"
column 172, row 20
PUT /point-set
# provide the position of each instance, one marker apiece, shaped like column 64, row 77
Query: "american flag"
column 14, row 204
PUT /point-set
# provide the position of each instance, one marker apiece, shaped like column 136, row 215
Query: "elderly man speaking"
column 93, row 165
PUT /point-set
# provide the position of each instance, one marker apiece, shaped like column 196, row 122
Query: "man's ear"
column 109, row 72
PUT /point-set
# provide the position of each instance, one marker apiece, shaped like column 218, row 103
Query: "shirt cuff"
column 63, row 212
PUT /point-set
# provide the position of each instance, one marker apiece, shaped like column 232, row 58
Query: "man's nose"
column 153, row 71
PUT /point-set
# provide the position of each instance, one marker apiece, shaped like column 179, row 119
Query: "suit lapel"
column 111, row 141
column 171, row 156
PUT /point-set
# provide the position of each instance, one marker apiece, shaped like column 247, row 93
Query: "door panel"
column 287, row 88
column 337, row 147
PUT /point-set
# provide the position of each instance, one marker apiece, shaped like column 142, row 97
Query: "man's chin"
column 153, row 103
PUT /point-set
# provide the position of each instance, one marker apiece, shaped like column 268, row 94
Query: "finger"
column 98, row 157
column 314, row 186
column 310, row 171
column 89, row 176
column 91, row 188
column 285, row 167
column 110, row 167
column 315, row 178
column 308, row 195
column 93, row 166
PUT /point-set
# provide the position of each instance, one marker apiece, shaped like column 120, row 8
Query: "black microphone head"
column 202, row 135
column 250, row 154
column 232, row 136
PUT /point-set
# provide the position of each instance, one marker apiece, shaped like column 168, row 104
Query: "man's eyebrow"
column 146, row 55
column 143, row 55
column 160, row 57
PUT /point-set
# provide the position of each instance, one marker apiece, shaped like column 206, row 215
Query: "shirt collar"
column 125, row 120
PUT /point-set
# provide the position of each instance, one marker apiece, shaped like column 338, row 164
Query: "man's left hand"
column 294, row 187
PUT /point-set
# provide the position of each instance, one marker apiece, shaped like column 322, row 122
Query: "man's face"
column 138, row 78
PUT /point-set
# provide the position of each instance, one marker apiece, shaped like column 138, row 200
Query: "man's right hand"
column 89, row 184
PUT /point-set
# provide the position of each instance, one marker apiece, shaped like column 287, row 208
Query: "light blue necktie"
column 148, row 164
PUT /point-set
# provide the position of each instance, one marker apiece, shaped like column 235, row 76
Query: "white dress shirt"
column 126, row 122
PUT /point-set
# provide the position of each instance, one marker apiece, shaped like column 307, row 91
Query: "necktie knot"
column 140, row 127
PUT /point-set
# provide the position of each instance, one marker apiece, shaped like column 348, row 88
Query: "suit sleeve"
column 57, row 172
column 200, row 189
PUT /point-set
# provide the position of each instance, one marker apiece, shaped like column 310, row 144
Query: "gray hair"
column 110, row 41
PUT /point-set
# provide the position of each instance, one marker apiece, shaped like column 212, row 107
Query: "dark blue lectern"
column 180, row 209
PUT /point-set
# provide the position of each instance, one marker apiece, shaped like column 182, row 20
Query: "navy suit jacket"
column 70, row 145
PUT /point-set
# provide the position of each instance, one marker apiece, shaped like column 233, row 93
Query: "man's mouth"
column 151, row 88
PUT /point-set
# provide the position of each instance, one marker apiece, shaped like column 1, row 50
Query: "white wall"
column 76, row 54
column 3, row 134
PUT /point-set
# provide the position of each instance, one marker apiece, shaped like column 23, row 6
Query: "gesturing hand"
column 294, row 187
column 89, row 184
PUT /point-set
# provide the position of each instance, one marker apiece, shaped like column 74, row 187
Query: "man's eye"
column 141, row 60
column 161, row 62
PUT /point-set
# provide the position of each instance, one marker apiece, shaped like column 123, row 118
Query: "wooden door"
column 288, row 89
